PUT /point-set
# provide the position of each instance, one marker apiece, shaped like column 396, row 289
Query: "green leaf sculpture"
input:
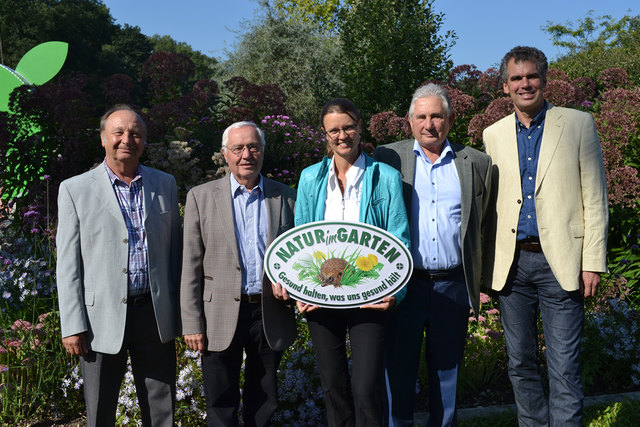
column 43, row 62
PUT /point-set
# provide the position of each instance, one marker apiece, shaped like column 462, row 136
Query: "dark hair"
column 120, row 107
column 340, row 106
column 525, row 53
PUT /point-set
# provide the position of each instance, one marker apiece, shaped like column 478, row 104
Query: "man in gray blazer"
column 227, row 304
column 446, row 190
column 119, row 244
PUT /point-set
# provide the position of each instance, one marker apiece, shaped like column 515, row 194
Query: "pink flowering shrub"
column 561, row 93
column 291, row 147
column 388, row 127
column 613, row 78
column 490, row 83
column 585, row 88
column 618, row 123
column 495, row 111
column 556, row 74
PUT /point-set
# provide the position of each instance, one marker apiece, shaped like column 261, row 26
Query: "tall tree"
column 389, row 48
column 85, row 24
column 303, row 61
column 205, row 66
column 595, row 44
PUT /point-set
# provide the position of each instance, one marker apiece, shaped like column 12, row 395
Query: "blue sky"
column 486, row 29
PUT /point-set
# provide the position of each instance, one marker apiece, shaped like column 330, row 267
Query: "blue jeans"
column 438, row 310
column 532, row 287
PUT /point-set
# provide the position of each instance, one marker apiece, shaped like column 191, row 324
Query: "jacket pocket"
column 89, row 298
column 577, row 230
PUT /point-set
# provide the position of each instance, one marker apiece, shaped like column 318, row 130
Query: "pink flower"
column 492, row 312
column 484, row 298
column 22, row 325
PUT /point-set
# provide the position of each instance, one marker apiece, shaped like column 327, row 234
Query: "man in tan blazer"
column 550, row 233
column 226, row 302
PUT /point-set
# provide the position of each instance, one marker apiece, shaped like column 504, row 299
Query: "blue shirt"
column 529, row 141
column 250, row 217
column 130, row 199
column 436, row 213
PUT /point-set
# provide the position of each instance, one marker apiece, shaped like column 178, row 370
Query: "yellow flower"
column 364, row 263
column 319, row 255
column 373, row 259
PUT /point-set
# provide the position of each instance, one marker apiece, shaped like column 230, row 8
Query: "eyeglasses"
column 239, row 149
column 348, row 130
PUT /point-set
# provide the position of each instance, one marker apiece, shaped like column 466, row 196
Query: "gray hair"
column 525, row 53
column 236, row 125
column 429, row 90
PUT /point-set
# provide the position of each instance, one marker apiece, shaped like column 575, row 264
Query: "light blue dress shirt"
column 251, row 222
column 436, row 213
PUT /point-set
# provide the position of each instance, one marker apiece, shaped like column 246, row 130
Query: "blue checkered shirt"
column 131, row 205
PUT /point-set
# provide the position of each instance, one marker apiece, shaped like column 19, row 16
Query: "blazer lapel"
column 465, row 175
column 274, row 209
column 105, row 192
column 149, row 191
column 553, row 126
column 222, row 197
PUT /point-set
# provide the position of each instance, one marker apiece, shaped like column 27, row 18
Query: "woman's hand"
column 303, row 307
column 384, row 305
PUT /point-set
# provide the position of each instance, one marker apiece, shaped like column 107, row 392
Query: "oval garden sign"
column 338, row 264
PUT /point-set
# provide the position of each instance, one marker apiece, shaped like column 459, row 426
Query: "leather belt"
column 435, row 275
column 251, row 298
column 529, row 246
column 137, row 300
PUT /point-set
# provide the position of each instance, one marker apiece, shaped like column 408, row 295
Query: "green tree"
column 206, row 67
column 595, row 44
column 85, row 24
column 390, row 47
column 321, row 13
column 296, row 56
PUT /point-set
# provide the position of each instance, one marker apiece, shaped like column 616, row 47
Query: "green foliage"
column 297, row 57
column 205, row 66
column 619, row 414
column 321, row 13
column 596, row 44
column 389, row 48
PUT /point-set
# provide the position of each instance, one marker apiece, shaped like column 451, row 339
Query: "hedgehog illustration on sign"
column 331, row 272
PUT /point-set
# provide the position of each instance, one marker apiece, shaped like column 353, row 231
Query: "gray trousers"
column 154, row 371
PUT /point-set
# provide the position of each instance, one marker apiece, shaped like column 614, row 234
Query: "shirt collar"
column 447, row 151
column 353, row 174
column 114, row 178
column 235, row 185
column 537, row 120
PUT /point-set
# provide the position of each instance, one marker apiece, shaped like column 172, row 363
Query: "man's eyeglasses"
column 239, row 149
column 348, row 130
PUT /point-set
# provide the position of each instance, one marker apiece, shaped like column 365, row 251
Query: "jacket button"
column 125, row 240
column 513, row 230
column 124, row 300
column 238, row 267
column 124, row 270
column 236, row 299
column 519, row 201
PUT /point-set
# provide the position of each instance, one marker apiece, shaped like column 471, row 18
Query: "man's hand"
column 195, row 341
column 279, row 291
column 384, row 305
column 589, row 282
column 76, row 345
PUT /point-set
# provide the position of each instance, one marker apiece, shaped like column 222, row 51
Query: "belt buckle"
column 253, row 298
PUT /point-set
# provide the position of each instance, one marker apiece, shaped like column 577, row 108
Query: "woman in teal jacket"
column 349, row 185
